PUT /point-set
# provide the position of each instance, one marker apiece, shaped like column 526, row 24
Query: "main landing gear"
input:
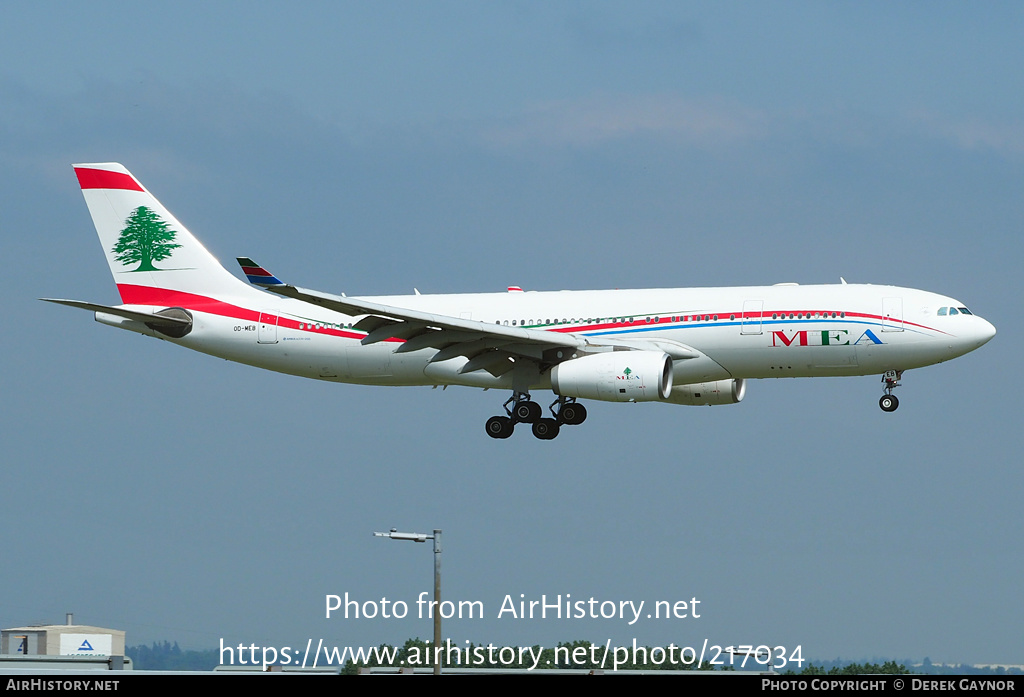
column 888, row 402
column 524, row 410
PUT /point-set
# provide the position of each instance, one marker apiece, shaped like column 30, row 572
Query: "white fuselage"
column 742, row 332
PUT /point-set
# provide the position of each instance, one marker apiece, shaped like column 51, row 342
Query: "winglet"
column 256, row 274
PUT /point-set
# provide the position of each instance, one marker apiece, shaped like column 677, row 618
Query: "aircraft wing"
column 490, row 347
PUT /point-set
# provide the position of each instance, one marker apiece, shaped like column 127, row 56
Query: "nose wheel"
column 888, row 402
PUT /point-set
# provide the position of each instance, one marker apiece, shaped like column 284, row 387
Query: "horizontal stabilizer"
column 157, row 321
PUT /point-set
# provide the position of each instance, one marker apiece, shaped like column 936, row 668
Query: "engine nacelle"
column 717, row 392
column 616, row 376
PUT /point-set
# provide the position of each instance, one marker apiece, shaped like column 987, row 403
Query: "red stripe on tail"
column 103, row 179
column 255, row 271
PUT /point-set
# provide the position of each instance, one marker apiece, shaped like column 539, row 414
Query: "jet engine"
column 616, row 376
column 717, row 392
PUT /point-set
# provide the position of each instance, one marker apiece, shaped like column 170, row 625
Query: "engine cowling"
column 616, row 376
column 707, row 393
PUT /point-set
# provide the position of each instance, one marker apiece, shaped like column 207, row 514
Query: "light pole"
column 423, row 537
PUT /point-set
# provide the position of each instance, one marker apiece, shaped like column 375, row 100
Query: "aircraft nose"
column 979, row 333
column 973, row 334
column 985, row 331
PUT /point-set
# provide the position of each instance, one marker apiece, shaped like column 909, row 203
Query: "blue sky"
column 373, row 148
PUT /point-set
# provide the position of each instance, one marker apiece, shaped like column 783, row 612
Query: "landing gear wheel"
column 888, row 402
column 500, row 427
column 572, row 414
column 526, row 412
column 545, row 429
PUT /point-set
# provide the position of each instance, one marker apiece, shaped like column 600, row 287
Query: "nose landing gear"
column 888, row 402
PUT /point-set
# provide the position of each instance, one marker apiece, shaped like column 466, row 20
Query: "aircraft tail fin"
column 153, row 258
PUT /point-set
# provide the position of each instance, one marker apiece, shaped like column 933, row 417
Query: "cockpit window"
column 953, row 311
column 965, row 311
column 943, row 311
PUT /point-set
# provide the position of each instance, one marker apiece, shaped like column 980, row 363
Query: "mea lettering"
column 825, row 337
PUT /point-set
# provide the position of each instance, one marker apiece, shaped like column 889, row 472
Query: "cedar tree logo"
column 145, row 239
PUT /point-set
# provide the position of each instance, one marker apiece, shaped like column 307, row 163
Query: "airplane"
column 686, row 346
